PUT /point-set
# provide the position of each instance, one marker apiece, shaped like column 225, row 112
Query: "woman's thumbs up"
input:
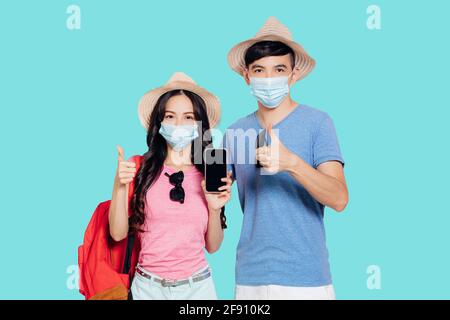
column 126, row 170
column 120, row 152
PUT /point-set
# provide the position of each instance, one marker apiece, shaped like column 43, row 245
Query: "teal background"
column 68, row 97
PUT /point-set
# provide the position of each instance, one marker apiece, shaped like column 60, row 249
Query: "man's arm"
column 326, row 184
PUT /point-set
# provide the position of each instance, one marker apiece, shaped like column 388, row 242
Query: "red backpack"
column 106, row 267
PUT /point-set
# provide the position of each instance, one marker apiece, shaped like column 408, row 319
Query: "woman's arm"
column 216, row 201
column 214, row 234
column 118, row 210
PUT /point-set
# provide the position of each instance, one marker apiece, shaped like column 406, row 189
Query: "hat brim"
column 303, row 62
column 149, row 100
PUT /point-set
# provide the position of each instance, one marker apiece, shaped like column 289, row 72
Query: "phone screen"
column 215, row 168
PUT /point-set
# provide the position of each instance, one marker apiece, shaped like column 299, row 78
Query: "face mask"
column 179, row 137
column 270, row 91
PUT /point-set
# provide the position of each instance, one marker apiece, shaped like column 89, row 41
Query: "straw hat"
column 179, row 81
column 272, row 30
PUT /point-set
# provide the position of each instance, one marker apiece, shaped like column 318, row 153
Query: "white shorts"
column 276, row 292
column 143, row 288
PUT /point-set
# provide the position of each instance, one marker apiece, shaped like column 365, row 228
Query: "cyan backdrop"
column 68, row 97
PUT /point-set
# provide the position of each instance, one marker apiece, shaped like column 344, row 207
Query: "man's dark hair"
column 266, row 49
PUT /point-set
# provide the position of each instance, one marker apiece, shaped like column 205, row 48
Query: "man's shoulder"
column 314, row 113
column 308, row 113
column 244, row 122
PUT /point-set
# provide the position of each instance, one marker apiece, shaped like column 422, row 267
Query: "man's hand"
column 276, row 157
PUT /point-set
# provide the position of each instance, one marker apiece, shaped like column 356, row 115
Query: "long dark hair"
column 153, row 161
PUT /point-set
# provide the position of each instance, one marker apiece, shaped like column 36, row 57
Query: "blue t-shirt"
column 282, row 239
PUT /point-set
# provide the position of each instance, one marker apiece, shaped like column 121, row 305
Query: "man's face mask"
column 179, row 137
column 270, row 91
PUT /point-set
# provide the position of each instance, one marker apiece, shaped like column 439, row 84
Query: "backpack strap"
column 127, row 260
column 130, row 240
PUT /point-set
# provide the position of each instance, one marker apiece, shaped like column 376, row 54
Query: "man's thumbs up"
column 274, row 140
column 275, row 157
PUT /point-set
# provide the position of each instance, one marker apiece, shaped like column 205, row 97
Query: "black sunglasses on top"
column 176, row 179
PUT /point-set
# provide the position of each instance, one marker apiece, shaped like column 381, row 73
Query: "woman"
column 173, row 215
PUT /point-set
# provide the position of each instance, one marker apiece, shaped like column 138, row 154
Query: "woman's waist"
column 175, row 268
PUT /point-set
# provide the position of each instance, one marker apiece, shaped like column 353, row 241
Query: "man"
column 285, row 184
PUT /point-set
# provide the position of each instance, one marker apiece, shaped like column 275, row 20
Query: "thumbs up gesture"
column 126, row 170
column 275, row 157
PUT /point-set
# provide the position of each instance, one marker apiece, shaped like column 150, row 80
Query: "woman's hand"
column 118, row 209
column 126, row 170
column 217, row 200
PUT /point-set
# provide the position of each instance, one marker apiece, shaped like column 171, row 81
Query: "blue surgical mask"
column 270, row 91
column 179, row 136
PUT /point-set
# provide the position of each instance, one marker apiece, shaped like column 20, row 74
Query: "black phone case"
column 221, row 183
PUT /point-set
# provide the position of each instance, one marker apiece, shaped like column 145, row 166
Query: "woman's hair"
column 153, row 160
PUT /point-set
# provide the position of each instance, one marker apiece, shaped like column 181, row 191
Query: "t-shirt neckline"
column 298, row 106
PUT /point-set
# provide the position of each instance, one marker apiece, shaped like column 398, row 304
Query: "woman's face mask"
column 270, row 91
column 179, row 136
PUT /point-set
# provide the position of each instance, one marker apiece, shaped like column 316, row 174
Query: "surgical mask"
column 270, row 91
column 179, row 137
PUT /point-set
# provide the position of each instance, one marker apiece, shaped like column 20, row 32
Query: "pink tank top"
column 173, row 241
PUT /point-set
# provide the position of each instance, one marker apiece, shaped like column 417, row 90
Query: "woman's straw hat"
column 179, row 81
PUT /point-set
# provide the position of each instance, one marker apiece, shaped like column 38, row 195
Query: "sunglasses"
column 175, row 179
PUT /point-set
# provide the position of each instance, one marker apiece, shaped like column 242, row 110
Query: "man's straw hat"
column 272, row 30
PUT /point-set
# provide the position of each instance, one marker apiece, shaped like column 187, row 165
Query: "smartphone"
column 215, row 168
column 261, row 141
